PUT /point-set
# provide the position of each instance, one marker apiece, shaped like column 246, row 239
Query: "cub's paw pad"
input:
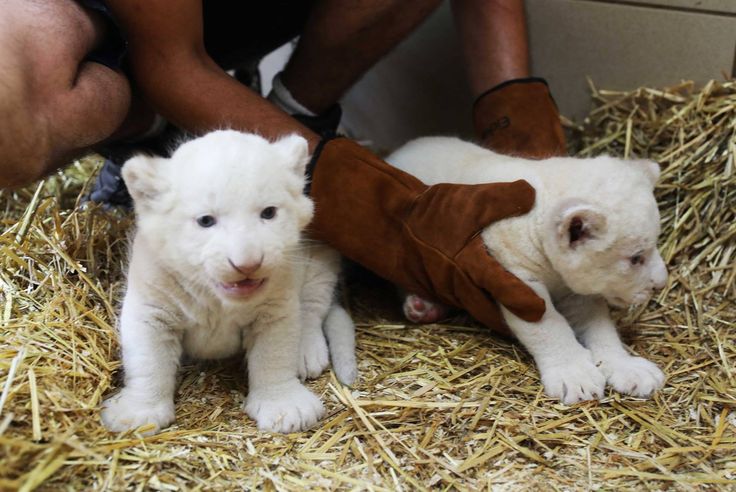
column 123, row 412
column 633, row 376
column 419, row 310
column 314, row 356
column 284, row 408
column 574, row 380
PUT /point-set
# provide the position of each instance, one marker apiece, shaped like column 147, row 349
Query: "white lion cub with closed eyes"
column 590, row 238
column 217, row 268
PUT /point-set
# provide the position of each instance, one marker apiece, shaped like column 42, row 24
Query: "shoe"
column 109, row 189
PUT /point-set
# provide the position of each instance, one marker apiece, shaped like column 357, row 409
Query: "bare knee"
column 52, row 29
column 20, row 158
column 51, row 101
column 21, row 168
column 24, row 146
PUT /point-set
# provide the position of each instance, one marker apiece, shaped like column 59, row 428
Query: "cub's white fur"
column 217, row 268
column 590, row 238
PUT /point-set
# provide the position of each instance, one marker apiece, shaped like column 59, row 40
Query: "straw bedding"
column 442, row 406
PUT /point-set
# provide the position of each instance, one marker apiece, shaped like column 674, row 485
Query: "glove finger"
column 482, row 204
column 502, row 200
column 504, row 286
column 480, row 305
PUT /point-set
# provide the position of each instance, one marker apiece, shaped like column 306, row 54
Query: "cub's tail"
column 340, row 333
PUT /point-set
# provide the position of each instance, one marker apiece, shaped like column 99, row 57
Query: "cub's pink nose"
column 247, row 268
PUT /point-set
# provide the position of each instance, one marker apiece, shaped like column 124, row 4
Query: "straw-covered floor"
column 443, row 406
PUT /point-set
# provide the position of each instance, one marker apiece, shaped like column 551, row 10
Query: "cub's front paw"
column 125, row 411
column 633, row 376
column 420, row 310
column 314, row 356
column 288, row 407
column 573, row 379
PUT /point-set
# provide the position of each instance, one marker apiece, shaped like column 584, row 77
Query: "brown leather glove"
column 519, row 117
column 423, row 238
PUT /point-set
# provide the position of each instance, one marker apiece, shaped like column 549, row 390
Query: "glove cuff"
column 506, row 83
column 519, row 117
column 312, row 164
column 360, row 202
column 325, row 124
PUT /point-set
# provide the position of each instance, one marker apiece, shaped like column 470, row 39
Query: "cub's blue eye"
column 268, row 213
column 206, row 221
column 637, row 260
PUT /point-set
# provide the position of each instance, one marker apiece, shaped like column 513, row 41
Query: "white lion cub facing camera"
column 590, row 238
column 217, row 268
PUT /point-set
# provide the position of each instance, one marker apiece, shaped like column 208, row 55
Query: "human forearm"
column 493, row 39
column 514, row 118
column 199, row 97
column 178, row 78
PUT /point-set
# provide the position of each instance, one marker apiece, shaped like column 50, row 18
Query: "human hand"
column 423, row 238
column 519, row 117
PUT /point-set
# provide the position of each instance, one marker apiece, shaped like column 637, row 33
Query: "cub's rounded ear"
column 651, row 169
column 296, row 149
column 579, row 224
column 305, row 211
column 142, row 177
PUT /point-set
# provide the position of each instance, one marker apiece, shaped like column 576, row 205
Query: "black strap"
column 325, row 125
column 309, row 172
column 525, row 80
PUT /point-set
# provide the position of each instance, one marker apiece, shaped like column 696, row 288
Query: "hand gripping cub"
column 423, row 238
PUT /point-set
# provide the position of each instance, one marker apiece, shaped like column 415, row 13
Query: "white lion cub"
column 590, row 238
column 217, row 268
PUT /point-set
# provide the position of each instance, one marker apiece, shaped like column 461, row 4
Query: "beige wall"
column 719, row 7
column 420, row 88
column 623, row 46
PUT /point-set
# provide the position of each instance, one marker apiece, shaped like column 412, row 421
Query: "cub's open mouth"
column 242, row 288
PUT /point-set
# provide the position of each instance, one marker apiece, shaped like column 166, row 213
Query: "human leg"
column 339, row 45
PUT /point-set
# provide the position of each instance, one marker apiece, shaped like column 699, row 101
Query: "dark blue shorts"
column 235, row 32
column 112, row 50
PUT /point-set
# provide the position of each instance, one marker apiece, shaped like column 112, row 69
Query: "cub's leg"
column 420, row 310
column 316, row 296
column 567, row 368
column 340, row 332
column 626, row 373
column 151, row 353
column 276, row 400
